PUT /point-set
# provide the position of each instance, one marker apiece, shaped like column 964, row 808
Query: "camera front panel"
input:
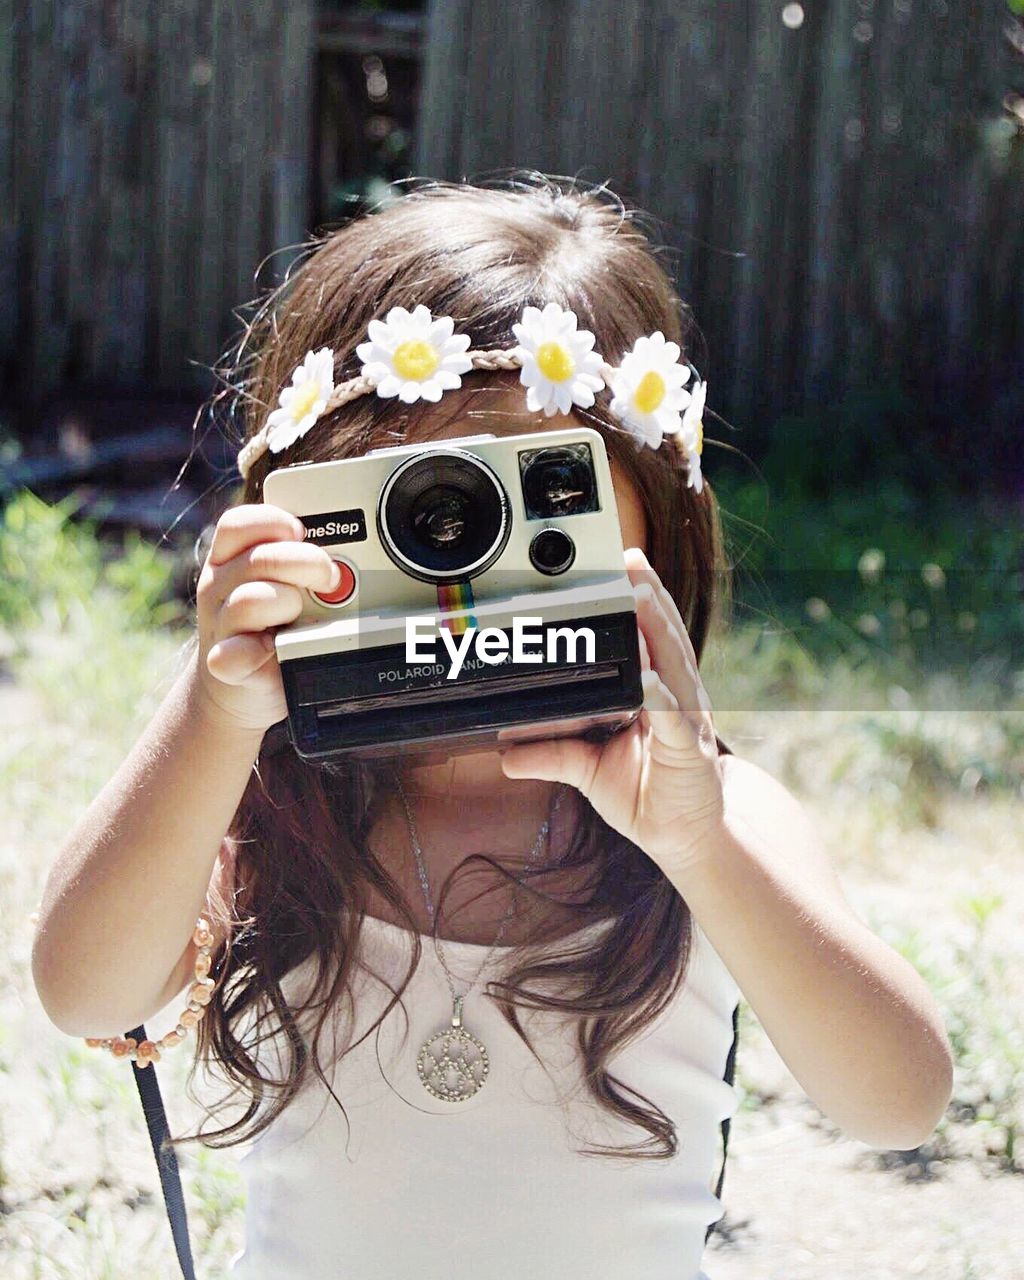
column 531, row 513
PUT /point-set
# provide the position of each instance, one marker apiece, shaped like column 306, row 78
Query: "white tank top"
column 491, row 1187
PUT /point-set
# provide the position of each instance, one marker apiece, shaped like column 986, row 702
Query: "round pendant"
column 453, row 1064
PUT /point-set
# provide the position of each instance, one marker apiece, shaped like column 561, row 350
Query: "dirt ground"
column 805, row 1203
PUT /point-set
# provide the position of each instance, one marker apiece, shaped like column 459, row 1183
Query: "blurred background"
column 841, row 185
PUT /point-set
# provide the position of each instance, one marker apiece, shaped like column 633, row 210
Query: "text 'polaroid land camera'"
column 484, row 598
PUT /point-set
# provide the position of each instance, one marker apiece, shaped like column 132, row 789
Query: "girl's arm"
column 123, row 895
column 852, row 1019
column 220, row 912
column 120, row 902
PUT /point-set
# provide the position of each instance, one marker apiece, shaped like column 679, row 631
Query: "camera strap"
column 730, row 1068
column 167, row 1159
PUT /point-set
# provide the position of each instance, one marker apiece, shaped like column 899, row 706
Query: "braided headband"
column 415, row 356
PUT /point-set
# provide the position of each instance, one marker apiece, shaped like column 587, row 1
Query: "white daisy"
column 692, row 434
column 414, row 356
column 649, row 392
column 559, row 367
column 303, row 401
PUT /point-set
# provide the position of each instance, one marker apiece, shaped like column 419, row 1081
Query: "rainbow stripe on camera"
column 452, row 598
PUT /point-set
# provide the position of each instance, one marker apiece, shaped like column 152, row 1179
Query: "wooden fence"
column 847, row 194
column 150, row 156
column 846, row 191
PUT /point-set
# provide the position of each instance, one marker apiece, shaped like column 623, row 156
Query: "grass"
column 907, row 762
column 978, row 996
column 903, row 585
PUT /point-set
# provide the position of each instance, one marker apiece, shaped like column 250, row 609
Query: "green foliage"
column 976, row 993
column 865, row 545
column 87, row 621
column 812, row 454
column 881, row 576
column 217, row 1190
column 51, row 567
column 935, row 760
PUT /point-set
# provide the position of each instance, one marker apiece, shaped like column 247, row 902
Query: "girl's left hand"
column 658, row 781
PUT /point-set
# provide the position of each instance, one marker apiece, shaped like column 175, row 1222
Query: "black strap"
column 730, row 1062
column 167, row 1159
column 166, row 1156
column 730, row 1067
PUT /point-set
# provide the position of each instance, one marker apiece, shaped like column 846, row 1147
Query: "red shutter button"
column 345, row 588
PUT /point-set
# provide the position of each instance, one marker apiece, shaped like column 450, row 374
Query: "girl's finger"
column 641, row 570
column 661, row 715
column 234, row 659
column 256, row 605
column 568, row 760
column 253, row 522
column 301, row 564
column 645, row 653
column 668, row 657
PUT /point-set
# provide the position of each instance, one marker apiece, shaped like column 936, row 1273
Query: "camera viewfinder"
column 558, row 481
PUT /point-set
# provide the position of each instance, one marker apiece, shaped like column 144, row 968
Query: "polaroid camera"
column 483, row 598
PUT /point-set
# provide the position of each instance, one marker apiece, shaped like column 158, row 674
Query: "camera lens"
column 558, row 481
column 443, row 515
column 552, row 551
column 439, row 518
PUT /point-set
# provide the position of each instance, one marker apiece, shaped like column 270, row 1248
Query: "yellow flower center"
column 650, row 392
column 415, row 360
column 554, row 362
column 305, row 398
column 700, row 435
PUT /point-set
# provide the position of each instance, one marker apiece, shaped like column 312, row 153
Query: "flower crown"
column 414, row 356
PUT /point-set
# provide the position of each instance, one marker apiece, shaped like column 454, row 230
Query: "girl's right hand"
column 251, row 583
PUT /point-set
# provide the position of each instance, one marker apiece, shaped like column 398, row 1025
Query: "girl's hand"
column 251, row 583
column 658, row 781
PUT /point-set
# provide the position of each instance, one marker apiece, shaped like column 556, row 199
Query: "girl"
column 564, row 927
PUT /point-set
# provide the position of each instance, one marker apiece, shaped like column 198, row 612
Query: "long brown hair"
column 478, row 253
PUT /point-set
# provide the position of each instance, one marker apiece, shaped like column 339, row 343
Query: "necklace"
column 453, row 1064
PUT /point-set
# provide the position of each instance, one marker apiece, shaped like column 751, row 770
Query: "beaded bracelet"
column 199, row 996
